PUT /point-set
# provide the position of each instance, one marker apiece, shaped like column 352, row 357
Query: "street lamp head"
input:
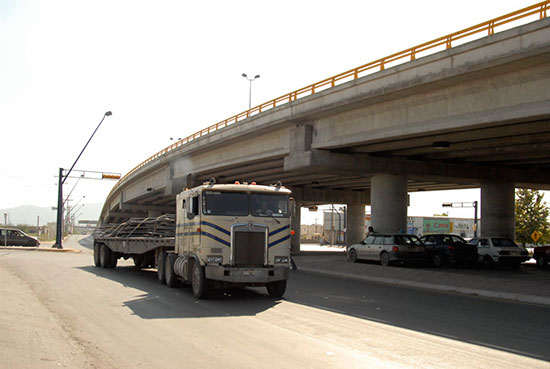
column 244, row 75
column 108, row 113
column 257, row 76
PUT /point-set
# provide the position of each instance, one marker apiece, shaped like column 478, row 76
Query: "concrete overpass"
column 470, row 116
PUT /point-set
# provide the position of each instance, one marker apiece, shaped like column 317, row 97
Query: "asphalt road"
column 57, row 310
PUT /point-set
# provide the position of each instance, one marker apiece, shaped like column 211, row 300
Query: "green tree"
column 531, row 215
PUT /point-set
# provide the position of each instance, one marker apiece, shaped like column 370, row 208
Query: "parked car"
column 500, row 250
column 16, row 237
column 542, row 255
column 449, row 249
column 389, row 248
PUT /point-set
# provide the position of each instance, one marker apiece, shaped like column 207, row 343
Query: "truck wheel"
column 114, row 259
column 104, row 256
column 97, row 260
column 276, row 289
column 160, row 268
column 170, row 277
column 199, row 283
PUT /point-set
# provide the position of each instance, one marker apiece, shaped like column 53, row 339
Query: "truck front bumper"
column 246, row 275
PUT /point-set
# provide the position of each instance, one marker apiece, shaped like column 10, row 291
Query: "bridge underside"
column 475, row 116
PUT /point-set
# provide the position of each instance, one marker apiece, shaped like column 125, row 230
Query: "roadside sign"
column 536, row 235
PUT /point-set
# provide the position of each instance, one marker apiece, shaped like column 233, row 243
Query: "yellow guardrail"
column 487, row 27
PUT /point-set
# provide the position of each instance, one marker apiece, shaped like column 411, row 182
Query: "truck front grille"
column 249, row 246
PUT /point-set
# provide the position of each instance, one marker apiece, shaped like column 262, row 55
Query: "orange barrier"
column 403, row 56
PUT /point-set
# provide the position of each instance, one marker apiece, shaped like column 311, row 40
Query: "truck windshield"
column 242, row 204
column 225, row 203
column 264, row 205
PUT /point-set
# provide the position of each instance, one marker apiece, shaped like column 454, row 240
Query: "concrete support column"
column 355, row 223
column 295, row 224
column 498, row 209
column 389, row 203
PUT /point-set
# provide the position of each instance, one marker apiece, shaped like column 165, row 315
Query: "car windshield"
column 407, row 240
column 503, row 242
column 458, row 239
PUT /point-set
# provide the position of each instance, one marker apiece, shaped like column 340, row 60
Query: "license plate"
column 249, row 272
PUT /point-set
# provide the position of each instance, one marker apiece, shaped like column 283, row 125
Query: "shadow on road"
column 511, row 327
column 161, row 302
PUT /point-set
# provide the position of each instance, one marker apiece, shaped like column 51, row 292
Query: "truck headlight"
column 281, row 260
column 214, row 259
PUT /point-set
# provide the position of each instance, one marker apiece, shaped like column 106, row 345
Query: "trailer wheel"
column 199, row 283
column 276, row 289
column 170, row 276
column 160, row 268
column 97, row 260
column 114, row 259
column 104, row 256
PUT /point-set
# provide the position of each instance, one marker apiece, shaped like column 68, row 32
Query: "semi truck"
column 222, row 235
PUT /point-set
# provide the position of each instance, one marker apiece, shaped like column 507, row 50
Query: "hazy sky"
column 168, row 68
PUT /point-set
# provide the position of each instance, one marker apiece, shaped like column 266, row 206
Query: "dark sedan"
column 16, row 237
column 449, row 249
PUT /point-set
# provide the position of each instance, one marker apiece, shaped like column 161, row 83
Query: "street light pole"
column 250, row 88
column 62, row 178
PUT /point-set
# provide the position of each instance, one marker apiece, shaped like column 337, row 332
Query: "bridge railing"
column 488, row 28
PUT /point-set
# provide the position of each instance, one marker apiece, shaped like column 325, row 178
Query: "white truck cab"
column 232, row 234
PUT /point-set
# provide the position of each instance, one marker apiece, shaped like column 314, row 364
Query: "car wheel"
column 515, row 266
column 541, row 261
column 199, row 283
column 488, row 261
column 97, row 261
column 276, row 289
column 437, row 260
column 160, row 268
column 352, row 255
column 104, row 256
column 385, row 259
column 170, row 276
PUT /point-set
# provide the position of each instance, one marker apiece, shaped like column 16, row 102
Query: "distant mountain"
column 27, row 214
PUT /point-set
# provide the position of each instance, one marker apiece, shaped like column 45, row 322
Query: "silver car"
column 389, row 248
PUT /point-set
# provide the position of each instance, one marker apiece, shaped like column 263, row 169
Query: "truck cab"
column 231, row 234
